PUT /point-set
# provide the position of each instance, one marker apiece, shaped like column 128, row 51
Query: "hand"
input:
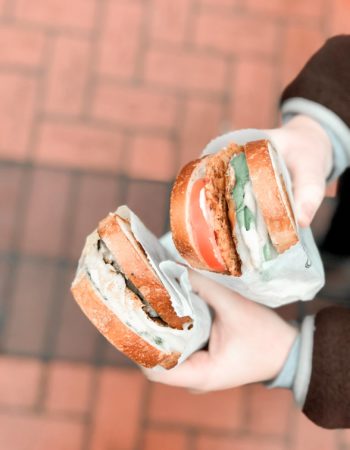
column 248, row 343
column 307, row 151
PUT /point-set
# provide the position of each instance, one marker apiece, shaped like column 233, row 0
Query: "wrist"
column 279, row 353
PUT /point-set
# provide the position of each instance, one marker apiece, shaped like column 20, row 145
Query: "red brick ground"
column 101, row 102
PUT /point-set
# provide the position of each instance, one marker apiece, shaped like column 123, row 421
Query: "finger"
column 191, row 374
column 220, row 298
column 309, row 190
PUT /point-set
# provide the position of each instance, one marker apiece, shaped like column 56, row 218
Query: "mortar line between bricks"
column 103, row 124
column 325, row 24
column 246, row 409
column 264, row 16
column 55, row 310
column 19, row 218
column 202, row 51
column 37, row 26
column 279, row 60
column 194, row 11
column 228, row 99
column 143, row 44
column 41, row 91
column 70, row 359
column 277, row 77
column 292, row 429
column 192, row 437
column 99, row 20
column 68, row 171
column 341, row 443
column 125, row 157
column 159, row 88
column 41, row 394
column 17, row 69
column 37, row 259
column 91, row 409
column 215, row 431
column 254, row 55
column 141, row 429
column 9, row 10
column 29, row 411
column 239, row 7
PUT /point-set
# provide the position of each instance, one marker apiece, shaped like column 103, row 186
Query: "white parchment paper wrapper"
column 296, row 274
column 174, row 277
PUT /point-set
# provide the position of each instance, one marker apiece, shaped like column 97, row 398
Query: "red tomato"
column 203, row 234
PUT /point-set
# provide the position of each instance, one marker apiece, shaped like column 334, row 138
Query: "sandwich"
column 119, row 291
column 230, row 212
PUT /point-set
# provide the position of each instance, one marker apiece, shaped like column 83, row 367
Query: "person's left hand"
column 248, row 343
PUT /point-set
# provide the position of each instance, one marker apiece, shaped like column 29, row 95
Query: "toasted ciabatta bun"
column 131, row 258
column 114, row 330
column 121, row 313
column 211, row 169
column 271, row 194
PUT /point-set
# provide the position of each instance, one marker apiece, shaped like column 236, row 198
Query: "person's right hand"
column 307, row 151
column 248, row 343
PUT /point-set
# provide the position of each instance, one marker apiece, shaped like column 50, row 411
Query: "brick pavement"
column 101, row 102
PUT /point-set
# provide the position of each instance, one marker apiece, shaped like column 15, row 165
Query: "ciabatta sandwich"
column 230, row 211
column 119, row 291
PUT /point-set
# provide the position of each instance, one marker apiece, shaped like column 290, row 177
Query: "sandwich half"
column 198, row 214
column 118, row 290
column 242, row 216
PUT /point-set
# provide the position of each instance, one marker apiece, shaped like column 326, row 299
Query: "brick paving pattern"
column 101, row 102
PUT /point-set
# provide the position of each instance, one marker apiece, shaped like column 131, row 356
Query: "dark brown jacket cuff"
column 325, row 79
column 328, row 399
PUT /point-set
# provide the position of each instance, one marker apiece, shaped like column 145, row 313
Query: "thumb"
column 309, row 191
column 193, row 373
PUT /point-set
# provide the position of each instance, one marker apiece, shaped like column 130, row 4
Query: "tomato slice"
column 203, row 234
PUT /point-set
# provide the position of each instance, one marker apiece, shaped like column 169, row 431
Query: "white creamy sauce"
column 112, row 288
column 256, row 237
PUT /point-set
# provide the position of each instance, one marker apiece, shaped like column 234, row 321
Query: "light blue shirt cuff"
column 285, row 379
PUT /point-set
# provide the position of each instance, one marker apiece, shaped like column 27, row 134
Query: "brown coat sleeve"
column 325, row 79
column 328, row 398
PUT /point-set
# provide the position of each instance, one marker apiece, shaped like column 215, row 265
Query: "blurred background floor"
column 101, row 102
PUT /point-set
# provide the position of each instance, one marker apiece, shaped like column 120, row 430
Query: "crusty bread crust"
column 138, row 270
column 117, row 333
column 278, row 215
column 178, row 217
column 215, row 192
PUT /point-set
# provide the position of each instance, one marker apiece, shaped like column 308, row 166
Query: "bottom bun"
column 114, row 330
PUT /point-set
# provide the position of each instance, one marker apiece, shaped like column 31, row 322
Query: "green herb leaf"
column 240, row 217
column 239, row 165
column 238, row 195
column 269, row 250
column 249, row 218
column 158, row 340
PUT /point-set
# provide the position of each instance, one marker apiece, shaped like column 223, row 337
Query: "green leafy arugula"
column 244, row 215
